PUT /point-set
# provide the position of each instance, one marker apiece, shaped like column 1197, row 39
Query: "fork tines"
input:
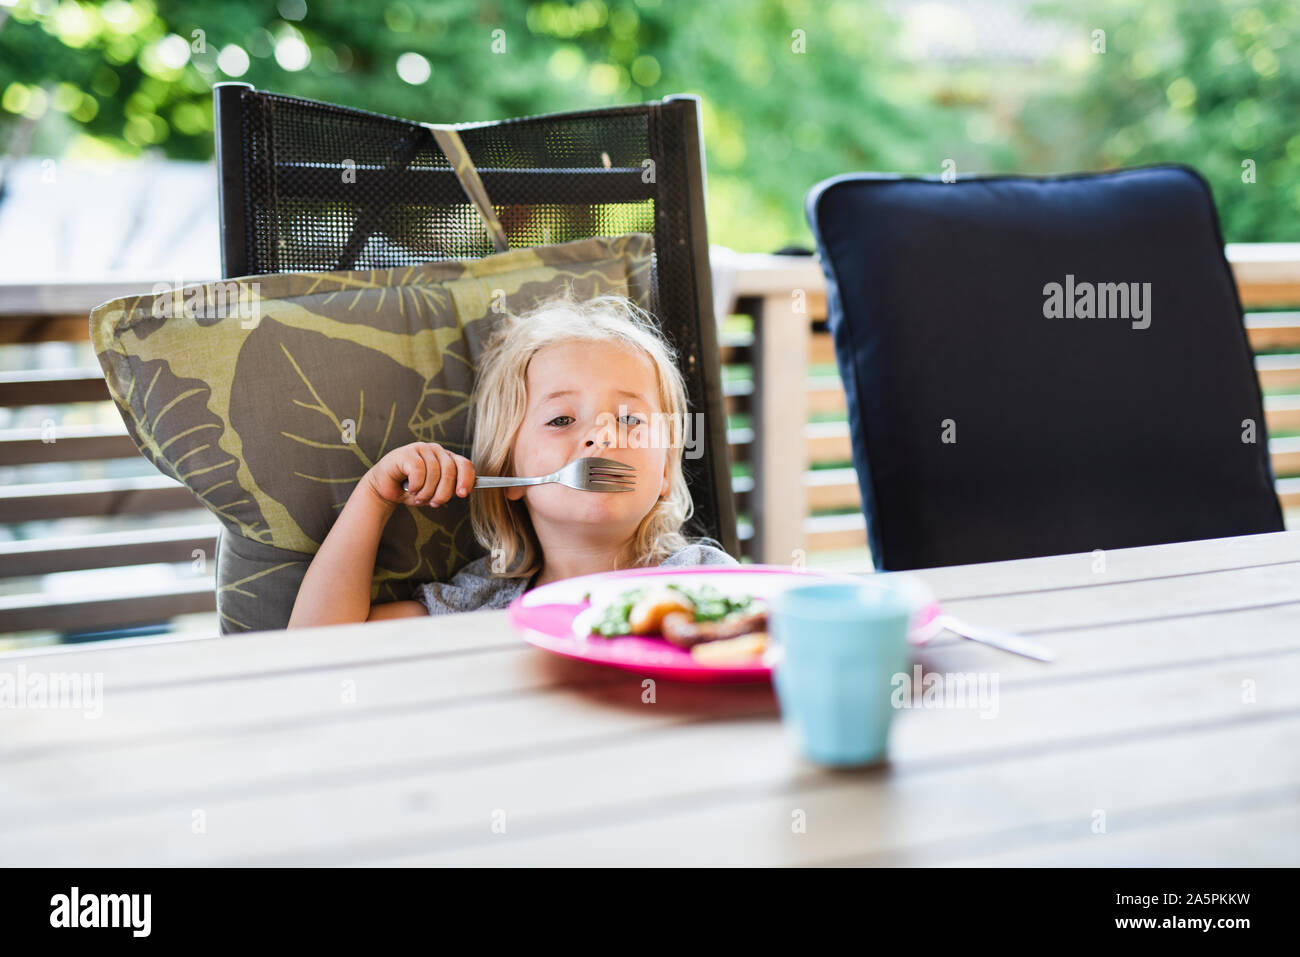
column 610, row 474
column 610, row 466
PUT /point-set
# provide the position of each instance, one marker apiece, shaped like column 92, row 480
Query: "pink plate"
column 546, row 617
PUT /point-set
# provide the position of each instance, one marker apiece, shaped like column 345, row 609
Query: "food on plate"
column 694, row 617
column 647, row 615
column 731, row 650
column 683, row 628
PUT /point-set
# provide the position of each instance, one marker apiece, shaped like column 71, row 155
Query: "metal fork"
column 586, row 474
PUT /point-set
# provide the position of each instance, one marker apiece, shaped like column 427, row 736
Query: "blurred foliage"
column 1212, row 84
column 792, row 91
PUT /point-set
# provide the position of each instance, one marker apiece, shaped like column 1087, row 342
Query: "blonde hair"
column 500, row 399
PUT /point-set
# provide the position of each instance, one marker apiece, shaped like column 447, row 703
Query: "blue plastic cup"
column 838, row 646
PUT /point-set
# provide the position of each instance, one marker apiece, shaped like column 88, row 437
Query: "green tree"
column 792, row 91
column 1211, row 84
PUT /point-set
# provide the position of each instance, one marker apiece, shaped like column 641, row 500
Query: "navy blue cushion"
column 1065, row 433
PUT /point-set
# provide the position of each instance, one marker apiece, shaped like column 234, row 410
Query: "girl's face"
column 582, row 395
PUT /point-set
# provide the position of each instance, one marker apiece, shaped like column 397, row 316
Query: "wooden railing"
column 77, row 524
column 793, row 475
column 795, row 485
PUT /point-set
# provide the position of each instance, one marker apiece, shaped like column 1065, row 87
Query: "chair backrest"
column 308, row 186
column 1041, row 365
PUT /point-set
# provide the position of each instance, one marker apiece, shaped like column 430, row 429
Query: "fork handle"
column 504, row 481
column 997, row 638
column 500, row 481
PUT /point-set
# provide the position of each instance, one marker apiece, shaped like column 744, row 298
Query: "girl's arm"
column 397, row 609
column 336, row 588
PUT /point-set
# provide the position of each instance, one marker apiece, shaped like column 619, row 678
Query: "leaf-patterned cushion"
column 270, row 396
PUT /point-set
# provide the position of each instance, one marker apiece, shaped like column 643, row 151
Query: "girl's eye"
column 557, row 419
column 635, row 420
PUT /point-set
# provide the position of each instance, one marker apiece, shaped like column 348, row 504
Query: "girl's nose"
column 599, row 436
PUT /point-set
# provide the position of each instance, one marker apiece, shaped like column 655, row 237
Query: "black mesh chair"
column 285, row 207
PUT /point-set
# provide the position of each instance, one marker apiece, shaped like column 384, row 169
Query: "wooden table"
column 1168, row 732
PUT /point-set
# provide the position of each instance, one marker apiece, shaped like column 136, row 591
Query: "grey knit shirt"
column 474, row 587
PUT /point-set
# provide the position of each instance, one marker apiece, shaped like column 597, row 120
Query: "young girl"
column 569, row 379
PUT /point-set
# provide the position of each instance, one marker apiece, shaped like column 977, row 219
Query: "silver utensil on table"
column 993, row 637
column 585, row 474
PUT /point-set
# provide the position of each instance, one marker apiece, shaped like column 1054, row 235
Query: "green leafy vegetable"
column 612, row 619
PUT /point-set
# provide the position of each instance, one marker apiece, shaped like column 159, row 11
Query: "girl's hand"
column 432, row 475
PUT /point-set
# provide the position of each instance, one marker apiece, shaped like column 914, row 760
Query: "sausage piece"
column 683, row 630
